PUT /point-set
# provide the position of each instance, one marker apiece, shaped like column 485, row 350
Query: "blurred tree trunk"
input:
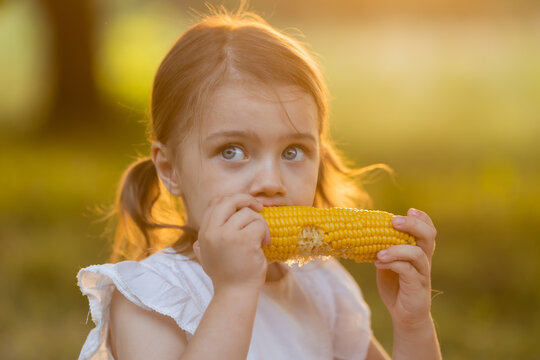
column 75, row 101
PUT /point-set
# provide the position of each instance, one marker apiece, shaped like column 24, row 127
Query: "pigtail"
column 142, row 213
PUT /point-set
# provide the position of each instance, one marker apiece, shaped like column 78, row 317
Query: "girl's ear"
column 165, row 168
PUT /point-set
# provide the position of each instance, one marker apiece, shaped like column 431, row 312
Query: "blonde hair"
column 203, row 58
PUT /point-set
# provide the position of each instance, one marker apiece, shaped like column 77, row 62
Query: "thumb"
column 197, row 250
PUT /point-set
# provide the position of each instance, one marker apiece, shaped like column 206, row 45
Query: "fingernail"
column 381, row 253
column 398, row 220
column 413, row 212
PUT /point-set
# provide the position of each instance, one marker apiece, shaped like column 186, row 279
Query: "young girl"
column 240, row 121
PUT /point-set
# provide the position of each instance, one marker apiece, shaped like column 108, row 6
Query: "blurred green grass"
column 451, row 107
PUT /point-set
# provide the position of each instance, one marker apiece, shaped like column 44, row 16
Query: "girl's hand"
column 229, row 243
column 403, row 273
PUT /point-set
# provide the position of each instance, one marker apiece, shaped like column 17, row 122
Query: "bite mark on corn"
column 300, row 234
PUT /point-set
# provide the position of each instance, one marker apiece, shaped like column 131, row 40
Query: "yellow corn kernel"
column 302, row 233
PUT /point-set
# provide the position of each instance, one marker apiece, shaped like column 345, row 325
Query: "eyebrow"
column 247, row 134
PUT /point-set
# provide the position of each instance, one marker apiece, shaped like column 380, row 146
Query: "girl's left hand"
column 404, row 272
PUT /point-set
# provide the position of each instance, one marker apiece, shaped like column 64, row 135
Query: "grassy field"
column 452, row 108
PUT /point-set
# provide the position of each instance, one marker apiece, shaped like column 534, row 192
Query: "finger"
column 260, row 231
column 226, row 206
column 408, row 275
column 420, row 215
column 256, row 217
column 245, row 216
column 412, row 254
column 424, row 233
column 241, row 218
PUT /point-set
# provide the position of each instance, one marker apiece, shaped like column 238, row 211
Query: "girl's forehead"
column 281, row 108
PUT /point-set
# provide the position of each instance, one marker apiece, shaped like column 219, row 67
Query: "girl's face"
column 246, row 144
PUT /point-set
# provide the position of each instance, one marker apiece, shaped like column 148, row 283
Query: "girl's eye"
column 293, row 153
column 233, row 153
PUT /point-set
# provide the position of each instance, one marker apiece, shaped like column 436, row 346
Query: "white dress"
column 314, row 312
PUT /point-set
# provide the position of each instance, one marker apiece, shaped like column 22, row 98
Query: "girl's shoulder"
column 165, row 282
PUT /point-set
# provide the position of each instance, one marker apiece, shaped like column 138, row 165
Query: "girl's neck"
column 275, row 272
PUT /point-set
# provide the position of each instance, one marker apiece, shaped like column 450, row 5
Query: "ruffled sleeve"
column 168, row 284
column 351, row 322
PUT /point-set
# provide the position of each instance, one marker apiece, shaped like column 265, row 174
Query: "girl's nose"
column 267, row 181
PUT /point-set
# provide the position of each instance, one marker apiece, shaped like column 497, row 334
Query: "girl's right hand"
column 229, row 243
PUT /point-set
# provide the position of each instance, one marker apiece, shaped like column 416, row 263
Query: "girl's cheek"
column 226, row 180
column 302, row 184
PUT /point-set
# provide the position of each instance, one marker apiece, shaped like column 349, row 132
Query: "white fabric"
column 314, row 312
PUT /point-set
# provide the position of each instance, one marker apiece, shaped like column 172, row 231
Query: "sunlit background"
column 447, row 93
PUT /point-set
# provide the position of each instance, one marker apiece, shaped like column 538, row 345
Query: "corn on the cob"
column 301, row 233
